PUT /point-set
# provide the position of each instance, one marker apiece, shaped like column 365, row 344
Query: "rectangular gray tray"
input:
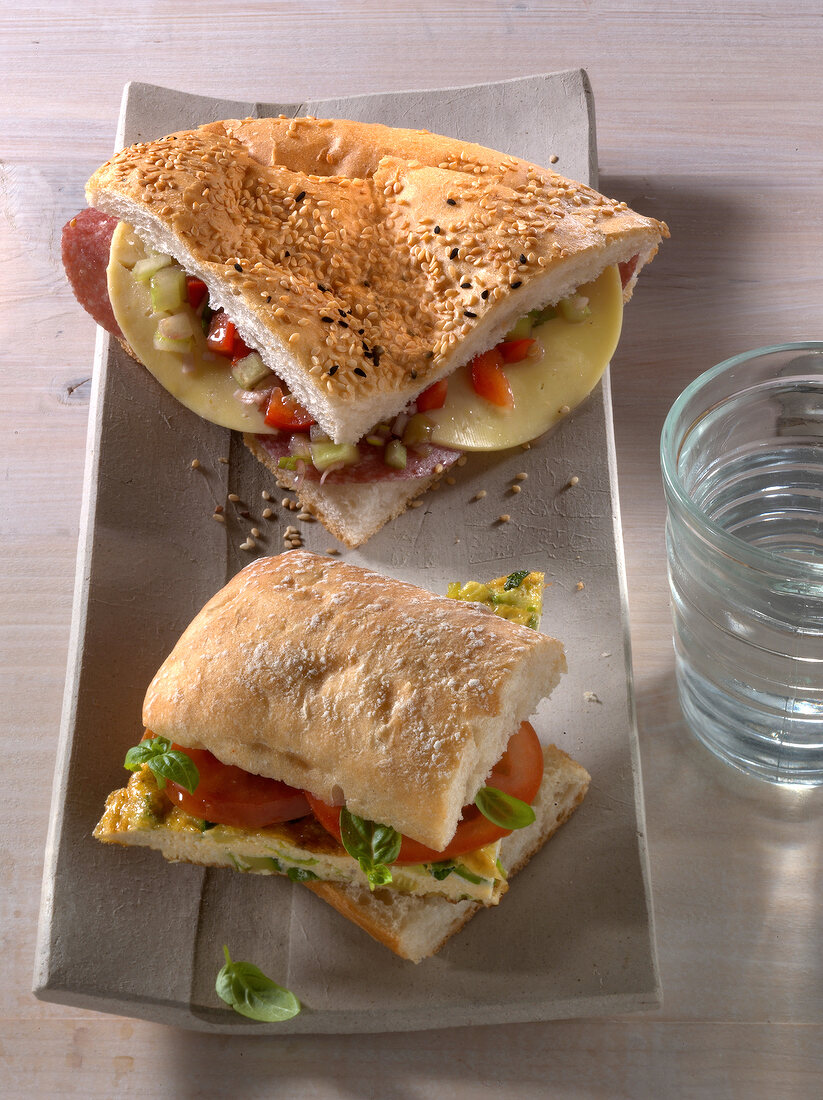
column 124, row 932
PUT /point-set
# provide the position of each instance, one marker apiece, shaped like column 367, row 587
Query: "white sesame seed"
column 195, row 463
column 255, row 533
column 267, row 513
column 515, row 488
column 479, row 494
column 249, row 544
column 266, row 495
column 233, row 497
column 504, row 518
column 574, row 481
column 217, row 516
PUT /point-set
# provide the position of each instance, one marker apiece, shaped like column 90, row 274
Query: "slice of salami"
column 86, row 243
column 371, row 466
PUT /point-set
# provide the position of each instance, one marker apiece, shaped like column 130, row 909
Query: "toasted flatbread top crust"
column 365, row 262
column 355, row 687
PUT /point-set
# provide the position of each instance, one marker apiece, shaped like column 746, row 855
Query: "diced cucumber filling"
column 168, row 289
column 144, row 269
column 250, row 371
column 575, row 308
column 395, row 455
column 324, row 455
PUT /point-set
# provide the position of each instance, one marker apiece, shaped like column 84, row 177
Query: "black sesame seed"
column 327, row 320
column 468, row 313
column 437, row 229
column 413, row 375
column 360, row 331
column 514, row 286
column 360, row 371
column 430, row 355
column 343, row 324
column 325, row 289
column 453, row 254
column 300, row 197
column 523, row 259
column 484, row 294
column 342, row 312
column 268, row 299
column 237, row 267
column 451, row 202
column 466, row 286
column 366, row 283
column 334, row 368
column 287, row 253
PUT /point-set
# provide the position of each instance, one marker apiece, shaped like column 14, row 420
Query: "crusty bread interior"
column 354, row 686
column 362, row 287
column 416, row 928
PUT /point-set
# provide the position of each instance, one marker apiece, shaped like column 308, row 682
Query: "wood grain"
column 709, row 118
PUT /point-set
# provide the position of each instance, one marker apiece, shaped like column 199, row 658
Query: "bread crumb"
column 451, row 480
column 591, row 697
column 526, row 446
column 461, row 461
column 554, row 158
column 225, row 461
column 332, row 550
column 605, row 654
column 580, row 586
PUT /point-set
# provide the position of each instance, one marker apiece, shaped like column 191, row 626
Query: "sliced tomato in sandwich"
column 518, row 772
column 232, row 796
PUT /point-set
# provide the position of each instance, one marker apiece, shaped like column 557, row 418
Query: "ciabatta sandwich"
column 357, row 734
column 375, row 300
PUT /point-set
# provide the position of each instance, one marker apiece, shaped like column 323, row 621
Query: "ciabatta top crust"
column 355, row 687
column 365, row 262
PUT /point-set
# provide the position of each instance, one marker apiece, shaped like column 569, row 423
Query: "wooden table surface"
column 713, row 121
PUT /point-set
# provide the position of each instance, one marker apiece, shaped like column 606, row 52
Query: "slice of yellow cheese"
column 204, row 384
column 574, row 358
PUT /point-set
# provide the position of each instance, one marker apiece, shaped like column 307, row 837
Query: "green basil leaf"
column 248, row 991
column 441, row 870
column 374, row 846
column 514, row 580
column 378, row 875
column 164, row 762
column 503, row 809
column 141, row 753
column 469, row 876
column 300, row 874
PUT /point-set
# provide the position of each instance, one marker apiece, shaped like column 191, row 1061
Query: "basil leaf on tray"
column 374, row 846
column 248, row 991
column 503, row 809
column 164, row 763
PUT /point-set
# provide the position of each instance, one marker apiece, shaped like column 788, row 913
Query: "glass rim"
column 724, row 540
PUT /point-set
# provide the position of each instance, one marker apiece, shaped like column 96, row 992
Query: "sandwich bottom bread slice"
column 354, row 733
column 409, row 919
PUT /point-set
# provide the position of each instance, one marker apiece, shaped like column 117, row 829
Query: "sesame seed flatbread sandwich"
column 363, row 303
column 301, row 727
